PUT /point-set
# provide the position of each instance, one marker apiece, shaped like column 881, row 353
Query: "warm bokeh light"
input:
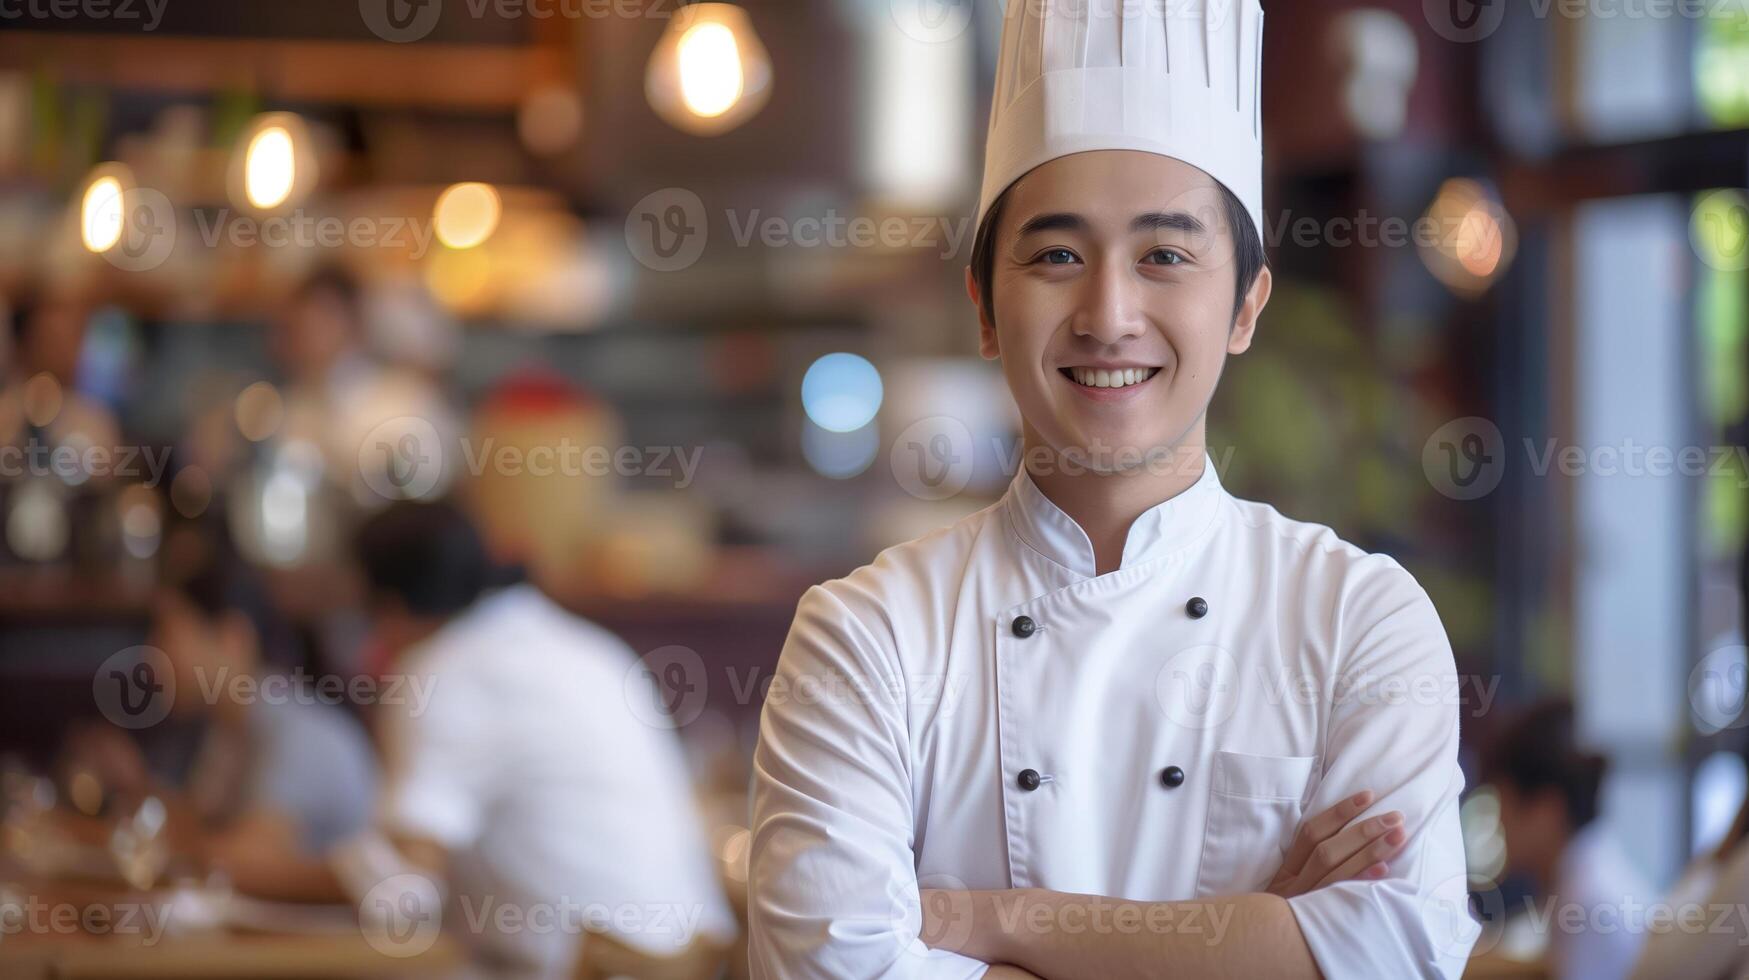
column 270, row 167
column 1471, row 239
column 142, row 522
column 709, row 72
column 100, row 214
column 260, row 410
column 42, row 399
column 274, row 164
column 467, row 214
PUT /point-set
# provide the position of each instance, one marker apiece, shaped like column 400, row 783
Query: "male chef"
column 1120, row 723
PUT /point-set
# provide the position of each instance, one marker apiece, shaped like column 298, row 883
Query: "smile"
column 1088, row 377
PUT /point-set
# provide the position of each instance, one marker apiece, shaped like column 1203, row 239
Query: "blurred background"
column 669, row 297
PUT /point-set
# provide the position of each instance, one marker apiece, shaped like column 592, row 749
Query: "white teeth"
column 1105, row 378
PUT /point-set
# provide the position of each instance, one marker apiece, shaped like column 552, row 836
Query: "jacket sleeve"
column 832, row 884
column 1394, row 729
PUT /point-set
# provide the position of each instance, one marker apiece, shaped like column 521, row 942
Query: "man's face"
column 1113, row 280
column 202, row 651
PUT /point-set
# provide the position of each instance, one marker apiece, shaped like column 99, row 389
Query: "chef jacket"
column 980, row 708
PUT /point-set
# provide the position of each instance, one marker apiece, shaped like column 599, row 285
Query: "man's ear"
column 986, row 330
column 1245, row 321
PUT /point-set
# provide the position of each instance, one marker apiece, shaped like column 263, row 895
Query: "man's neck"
column 1105, row 504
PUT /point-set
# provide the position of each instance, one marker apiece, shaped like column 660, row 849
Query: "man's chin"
column 1113, row 455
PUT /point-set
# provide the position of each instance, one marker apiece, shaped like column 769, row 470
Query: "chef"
column 1120, row 723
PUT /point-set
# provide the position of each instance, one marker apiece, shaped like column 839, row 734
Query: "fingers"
column 1369, row 861
column 1322, row 827
column 1337, row 850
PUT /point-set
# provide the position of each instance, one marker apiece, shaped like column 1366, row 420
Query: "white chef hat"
column 1175, row 77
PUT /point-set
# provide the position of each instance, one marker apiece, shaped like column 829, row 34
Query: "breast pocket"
column 1255, row 803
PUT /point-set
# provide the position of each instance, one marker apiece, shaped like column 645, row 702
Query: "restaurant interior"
column 668, row 298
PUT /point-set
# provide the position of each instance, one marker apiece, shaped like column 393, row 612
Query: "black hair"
column 1536, row 751
column 428, row 556
column 334, row 280
column 1248, row 255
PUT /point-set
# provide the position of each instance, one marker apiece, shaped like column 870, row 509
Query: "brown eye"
column 1057, row 256
column 1164, row 256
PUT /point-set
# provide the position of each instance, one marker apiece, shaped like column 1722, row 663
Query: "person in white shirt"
column 1589, row 889
column 1706, row 935
column 521, row 787
column 1077, row 733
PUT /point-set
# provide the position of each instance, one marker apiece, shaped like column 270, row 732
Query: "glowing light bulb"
column 270, row 167
column 710, row 69
column 709, row 72
column 100, row 214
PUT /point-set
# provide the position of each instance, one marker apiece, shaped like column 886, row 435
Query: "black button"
column 1029, row 780
column 1171, row 777
column 1023, row 626
column 1197, row 607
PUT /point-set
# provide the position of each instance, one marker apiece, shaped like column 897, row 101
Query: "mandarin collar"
column 1159, row 531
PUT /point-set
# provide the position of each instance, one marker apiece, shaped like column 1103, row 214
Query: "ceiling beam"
column 476, row 77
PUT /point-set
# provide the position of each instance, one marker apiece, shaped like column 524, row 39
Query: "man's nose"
column 1111, row 305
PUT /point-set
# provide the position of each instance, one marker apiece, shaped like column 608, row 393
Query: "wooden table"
column 216, row 955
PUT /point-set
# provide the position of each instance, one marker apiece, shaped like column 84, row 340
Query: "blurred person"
column 549, row 514
column 344, row 427
column 526, row 781
column 1717, row 879
column 1073, row 700
column 281, row 766
column 1548, row 790
column 1701, row 945
column 317, row 339
column 275, row 766
column 41, row 393
column 342, row 397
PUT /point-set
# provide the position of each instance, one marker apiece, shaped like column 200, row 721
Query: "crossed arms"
column 833, row 889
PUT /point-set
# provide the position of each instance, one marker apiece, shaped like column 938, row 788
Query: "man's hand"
column 1329, row 849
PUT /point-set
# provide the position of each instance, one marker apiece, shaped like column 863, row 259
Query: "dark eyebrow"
column 1168, row 221
column 1147, row 221
column 1053, row 221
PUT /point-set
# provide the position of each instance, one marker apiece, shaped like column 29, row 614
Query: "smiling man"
column 1194, row 737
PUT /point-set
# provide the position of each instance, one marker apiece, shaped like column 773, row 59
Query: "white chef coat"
column 907, row 707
